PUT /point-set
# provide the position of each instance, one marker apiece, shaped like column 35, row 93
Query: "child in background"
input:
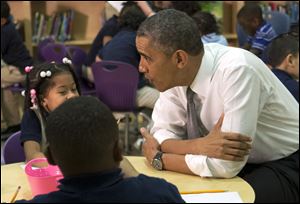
column 209, row 29
column 283, row 56
column 260, row 32
column 83, row 141
column 48, row 85
column 14, row 57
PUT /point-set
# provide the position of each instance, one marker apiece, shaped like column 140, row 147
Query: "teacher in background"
column 215, row 103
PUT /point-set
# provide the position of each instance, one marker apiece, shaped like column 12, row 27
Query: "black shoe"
column 9, row 131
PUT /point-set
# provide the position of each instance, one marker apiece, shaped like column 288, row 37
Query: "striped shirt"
column 263, row 36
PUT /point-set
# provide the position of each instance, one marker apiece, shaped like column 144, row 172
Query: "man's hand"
column 223, row 145
column 150, row 145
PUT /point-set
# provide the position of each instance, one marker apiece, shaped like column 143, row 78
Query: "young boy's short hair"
column 249, row 12
column 80, row 132
column 280, row 47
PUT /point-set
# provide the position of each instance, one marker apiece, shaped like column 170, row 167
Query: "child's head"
column 206, row 23
column 188, row 7
column 49, row 85
column 250, row 18
column 131, row 16
column 5, row 12
column 82, row 134
column 283, row 53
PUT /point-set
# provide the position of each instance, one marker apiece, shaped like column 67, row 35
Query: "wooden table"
column 13, row 175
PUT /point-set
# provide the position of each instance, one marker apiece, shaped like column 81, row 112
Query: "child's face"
column 249, row 26
column 63, row 89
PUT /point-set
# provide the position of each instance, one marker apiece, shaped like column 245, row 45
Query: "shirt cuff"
column 197, row 164
column 162, row 135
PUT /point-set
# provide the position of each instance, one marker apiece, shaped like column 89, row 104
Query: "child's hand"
column 39, row 164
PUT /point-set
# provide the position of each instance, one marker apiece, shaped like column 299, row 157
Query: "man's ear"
column 117, row 153
column 48, row 155
column 180, row 58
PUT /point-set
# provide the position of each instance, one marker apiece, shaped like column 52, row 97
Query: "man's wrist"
column 157, row 161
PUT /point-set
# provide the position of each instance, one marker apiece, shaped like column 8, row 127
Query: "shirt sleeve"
column 243, row 101
column 30, row 128
column 263, row 37
column 169, row 117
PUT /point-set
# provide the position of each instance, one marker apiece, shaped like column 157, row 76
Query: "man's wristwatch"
column 157, row 161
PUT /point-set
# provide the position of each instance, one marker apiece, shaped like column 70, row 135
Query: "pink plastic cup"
column 42, row 180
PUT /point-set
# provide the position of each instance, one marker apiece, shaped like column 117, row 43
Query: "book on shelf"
column 57, row 26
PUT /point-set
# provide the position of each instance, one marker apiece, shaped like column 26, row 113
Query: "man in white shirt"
column 236, row 96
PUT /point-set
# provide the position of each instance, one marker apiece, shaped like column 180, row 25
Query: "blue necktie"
column 195, row 127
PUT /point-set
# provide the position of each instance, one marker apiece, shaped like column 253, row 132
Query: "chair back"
column 79, row 57
column 13, row 151
column 116, row 84
column 41, row 45
column 54, row 52
column 77, row 54
column 279, row 21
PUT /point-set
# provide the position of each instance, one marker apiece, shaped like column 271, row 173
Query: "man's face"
column 157, row 67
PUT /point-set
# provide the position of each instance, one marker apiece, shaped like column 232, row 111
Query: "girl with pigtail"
column 47, row 86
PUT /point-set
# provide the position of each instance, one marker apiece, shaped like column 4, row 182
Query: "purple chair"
column 77, row 54
column 13, row 151
column 54, row 52
column 116, row 85
column 17, row 88
column 78, row 57
column 41, row 45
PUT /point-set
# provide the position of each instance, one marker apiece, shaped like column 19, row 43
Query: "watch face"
column 157, row 164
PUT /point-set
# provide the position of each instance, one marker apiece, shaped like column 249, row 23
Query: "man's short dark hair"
column 280, row 47
column 5, row 10
column 171, row 30
column 248, row 12
column 81, row 131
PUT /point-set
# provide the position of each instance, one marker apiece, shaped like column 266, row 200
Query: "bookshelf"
column 88, row 18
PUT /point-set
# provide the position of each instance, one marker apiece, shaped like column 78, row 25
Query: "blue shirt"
column 263, row 36
column 214, row 38
column 30, row 127
column 110, row 28
column 122, row 48
column 291, row 84
column 13, row 50
column 110, row 186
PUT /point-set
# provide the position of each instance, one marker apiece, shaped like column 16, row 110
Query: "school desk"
column 12, row 176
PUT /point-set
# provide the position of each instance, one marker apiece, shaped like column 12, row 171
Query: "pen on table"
column 15, row 195
column 203, row 191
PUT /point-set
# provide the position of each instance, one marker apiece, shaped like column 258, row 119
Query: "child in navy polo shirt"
column 283, row 56
column 260, row 32
column 14, row 57
column 83, row 141
column 48, row 86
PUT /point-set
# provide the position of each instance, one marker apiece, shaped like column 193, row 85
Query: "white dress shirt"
column 254, row 101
